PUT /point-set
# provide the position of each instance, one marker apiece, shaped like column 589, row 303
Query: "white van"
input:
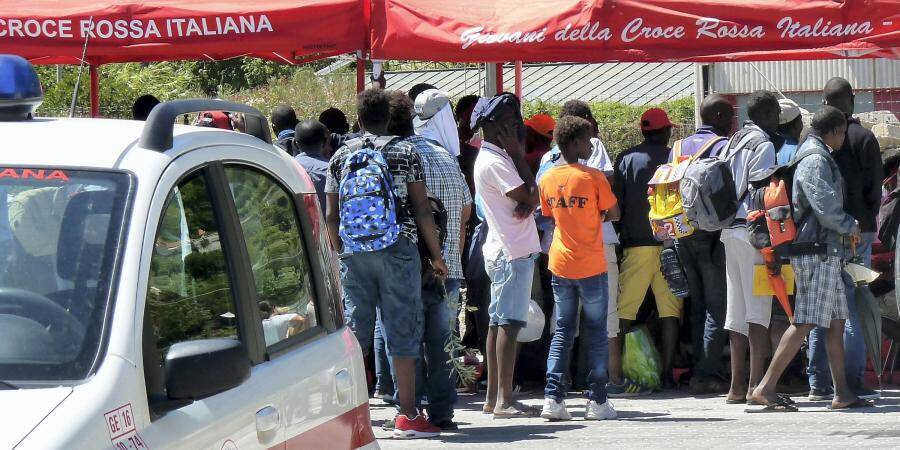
column 167, row 286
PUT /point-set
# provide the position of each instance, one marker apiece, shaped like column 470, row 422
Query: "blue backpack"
column 368, row 205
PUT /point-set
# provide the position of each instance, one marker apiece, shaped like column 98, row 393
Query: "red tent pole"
column 519, row 79
column 499, row 75
column 360, row 74
column 95, row 91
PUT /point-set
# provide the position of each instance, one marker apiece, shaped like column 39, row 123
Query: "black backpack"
column 889, row 221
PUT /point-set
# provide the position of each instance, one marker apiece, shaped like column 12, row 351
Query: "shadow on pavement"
column 508, row 433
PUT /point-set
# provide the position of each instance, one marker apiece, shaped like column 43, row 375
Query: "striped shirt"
column 445, row 181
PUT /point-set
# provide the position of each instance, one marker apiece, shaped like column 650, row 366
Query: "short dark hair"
column 142, row 106
column 335, row 120
column 418, row 89
column 465, row 103
column 570, row 128
column 373, row 108
column 762, row 102
column 310, row 133
column 828, row 119
column 402, row 111
column 577, row 108
column 284, row 118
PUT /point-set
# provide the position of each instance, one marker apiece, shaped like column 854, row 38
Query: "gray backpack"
column 707, row 189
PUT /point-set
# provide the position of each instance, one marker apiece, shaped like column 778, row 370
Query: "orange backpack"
column 771, row 223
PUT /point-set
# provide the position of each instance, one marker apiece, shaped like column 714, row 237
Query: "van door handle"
column 343, row 384
column 267, row 419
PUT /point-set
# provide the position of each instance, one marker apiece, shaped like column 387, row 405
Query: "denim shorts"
column 386, row 280
column 510, row 289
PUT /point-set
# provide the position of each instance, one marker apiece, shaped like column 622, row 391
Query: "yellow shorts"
column 641, row 270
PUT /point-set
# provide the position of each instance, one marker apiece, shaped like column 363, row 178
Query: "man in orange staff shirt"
column 579, row 199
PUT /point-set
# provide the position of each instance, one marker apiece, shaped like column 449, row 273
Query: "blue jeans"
column 593, row 293
column 380, row 281
column 384, row 381
column 435, row 376
column 854, row 342
column 703, row 257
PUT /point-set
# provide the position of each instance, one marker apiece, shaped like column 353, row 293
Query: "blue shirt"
column 316, row 166
column 787, row 151
column 696, row 141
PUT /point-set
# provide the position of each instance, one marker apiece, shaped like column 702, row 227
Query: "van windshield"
column 59, row 235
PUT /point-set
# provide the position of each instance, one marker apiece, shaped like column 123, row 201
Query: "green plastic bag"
column 640, row 360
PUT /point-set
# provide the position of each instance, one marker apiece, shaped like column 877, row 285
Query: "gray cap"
column 430, row 102
column 789, row 111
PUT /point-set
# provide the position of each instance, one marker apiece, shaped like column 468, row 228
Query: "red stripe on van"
column 350, row 430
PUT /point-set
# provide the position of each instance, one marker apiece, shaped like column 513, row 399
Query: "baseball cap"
column 655, row 119
column 485, row 107
column 543, row 124
column 789, row 110
column 430, row 102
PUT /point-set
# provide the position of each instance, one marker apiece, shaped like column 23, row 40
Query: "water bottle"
column 673, row 272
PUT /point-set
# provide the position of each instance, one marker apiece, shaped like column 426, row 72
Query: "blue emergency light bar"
column 20, row 88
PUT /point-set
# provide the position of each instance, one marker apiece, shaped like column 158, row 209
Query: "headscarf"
column 440, row 128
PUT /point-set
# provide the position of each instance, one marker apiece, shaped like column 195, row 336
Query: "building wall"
column 803, row 76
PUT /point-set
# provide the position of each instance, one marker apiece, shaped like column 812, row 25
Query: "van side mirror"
column 205, row 367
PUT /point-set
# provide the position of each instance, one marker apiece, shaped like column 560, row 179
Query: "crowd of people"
column 427, row 200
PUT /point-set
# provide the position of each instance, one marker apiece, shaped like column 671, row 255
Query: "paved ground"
column 667, row 421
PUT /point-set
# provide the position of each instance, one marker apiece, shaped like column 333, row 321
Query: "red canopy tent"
column 634, row 30
column 113, row 31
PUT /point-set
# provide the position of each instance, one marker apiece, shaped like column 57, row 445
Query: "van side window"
column 189, row 292
column 278, row 257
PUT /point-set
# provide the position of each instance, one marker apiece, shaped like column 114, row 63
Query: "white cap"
column 429, row 102
column 789, row 111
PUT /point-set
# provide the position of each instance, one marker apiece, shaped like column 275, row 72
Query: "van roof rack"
column 160, row 125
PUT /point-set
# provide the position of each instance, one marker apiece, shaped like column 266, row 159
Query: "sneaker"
column 388, row 425
column 445, row 424
column 628, row 388
column 415, row 428
column 388, row 399
column 595, row 411
column 867, row 394
column 555, row 410
column 820, row 395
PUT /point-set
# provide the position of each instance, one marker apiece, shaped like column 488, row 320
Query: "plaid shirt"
column 445, row 181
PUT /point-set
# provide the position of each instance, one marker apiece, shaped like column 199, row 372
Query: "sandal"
column 515, row 410
column 782, row 399
column 735, row 401
column 487, row 409
column 773, row 408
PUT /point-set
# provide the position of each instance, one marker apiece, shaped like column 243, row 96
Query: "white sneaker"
column 555, row 410
column 593, row 411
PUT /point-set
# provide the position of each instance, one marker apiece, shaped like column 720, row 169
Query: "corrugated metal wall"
column 629, row 83
column 742, row 78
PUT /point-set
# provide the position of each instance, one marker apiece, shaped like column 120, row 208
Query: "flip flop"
column 774, row 408
column 515, row 410
column 735, row 401
column 486, row 409
column 859, row 403
column 782, row 399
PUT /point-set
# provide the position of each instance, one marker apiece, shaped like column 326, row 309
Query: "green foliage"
column 120, row 84
column 305, row 92
column 618, row 122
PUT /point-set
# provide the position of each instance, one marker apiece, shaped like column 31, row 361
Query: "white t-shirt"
column 496, row 176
